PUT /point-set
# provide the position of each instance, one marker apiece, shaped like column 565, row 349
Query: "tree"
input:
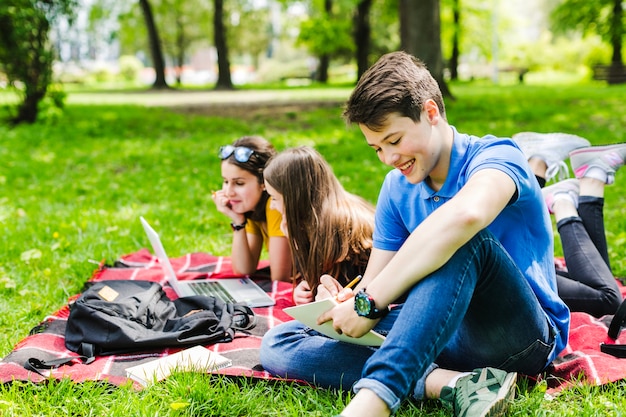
column 224, row 81
column 322, row 71
column 326, row 32
column 26, row 53
column 362, row 35
column 454, row 57
column 604, row 17
column 420, row 36
column 155, row 46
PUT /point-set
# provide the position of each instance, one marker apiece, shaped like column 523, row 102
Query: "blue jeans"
column 477, row 310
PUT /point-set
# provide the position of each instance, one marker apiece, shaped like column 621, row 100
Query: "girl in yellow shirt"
column 245, row 201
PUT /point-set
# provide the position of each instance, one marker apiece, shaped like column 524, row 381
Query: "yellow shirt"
column 269, row 228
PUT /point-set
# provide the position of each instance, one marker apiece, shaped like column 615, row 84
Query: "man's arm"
column 430, row 245
column 443, row 232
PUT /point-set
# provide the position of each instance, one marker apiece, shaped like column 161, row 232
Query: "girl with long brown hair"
column 329, row 229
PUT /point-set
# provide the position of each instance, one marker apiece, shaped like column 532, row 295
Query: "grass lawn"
column 74, row 187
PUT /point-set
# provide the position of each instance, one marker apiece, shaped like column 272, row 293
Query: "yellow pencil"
column 354, row 281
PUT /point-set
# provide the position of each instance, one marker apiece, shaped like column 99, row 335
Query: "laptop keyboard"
column 212, row 289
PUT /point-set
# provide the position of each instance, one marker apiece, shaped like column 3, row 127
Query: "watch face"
column 362, row 304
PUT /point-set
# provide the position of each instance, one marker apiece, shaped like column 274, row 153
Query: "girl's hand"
column 223, row 206
column 328, row 287
column 302, row 294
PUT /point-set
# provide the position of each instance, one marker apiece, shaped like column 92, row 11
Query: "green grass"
column 74, row 187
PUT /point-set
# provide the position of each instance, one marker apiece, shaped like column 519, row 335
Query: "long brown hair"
column 328, row 227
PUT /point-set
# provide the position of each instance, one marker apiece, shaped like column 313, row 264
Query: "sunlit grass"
column 74, row 187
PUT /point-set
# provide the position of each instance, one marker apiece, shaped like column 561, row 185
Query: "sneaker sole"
column 506, row 394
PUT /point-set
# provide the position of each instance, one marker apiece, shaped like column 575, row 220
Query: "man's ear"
column 431, row 110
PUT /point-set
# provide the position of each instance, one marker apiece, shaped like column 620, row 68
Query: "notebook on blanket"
column 239, row 290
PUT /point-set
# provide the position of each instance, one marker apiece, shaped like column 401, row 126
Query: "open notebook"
column 228, row 290
column 308, row 314
column 194, row 359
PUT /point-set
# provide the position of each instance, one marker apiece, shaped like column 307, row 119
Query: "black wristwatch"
column 237, row 227
column 365, row 306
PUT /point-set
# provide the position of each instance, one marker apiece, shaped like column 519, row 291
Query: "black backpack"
column 121, row 316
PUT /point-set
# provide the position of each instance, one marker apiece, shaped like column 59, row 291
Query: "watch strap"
column 237, row 227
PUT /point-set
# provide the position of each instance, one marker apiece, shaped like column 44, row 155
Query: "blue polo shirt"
column 524, row 227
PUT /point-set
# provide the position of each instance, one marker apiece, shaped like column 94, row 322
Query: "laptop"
column 233, row 290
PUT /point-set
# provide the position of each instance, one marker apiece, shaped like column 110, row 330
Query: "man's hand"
column 346, row 321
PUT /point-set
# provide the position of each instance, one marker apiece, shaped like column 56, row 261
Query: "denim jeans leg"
column 292, row 350
column 477, row 310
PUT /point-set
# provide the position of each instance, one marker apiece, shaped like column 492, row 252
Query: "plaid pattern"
column 47, row 341
column 581, row 358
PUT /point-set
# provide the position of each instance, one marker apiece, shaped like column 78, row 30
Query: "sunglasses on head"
column 242, row 153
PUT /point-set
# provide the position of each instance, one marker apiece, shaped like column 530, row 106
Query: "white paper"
column 307, row 314
column 195, row 359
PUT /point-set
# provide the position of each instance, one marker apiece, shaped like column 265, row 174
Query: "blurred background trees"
column 223, row 44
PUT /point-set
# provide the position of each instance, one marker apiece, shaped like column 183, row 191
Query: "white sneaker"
column 552, row 148
column 609, row 158
column 569, row 187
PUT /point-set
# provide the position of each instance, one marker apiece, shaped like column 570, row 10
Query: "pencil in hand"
column 354, row 282
column 351, row 285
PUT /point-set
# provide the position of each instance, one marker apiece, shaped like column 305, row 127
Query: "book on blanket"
column 194, row 359
column 307, row 314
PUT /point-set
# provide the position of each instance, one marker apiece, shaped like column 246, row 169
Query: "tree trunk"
column 324, row 61
column 362, row 36
column 420, row 36
column 322, row 70
column 180, row 48
column 29, row 108
column 454, row 58
column 224, row 81
column 155, row 46
column 617, row 33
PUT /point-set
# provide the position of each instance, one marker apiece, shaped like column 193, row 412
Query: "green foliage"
column 596, row 17
column 326, row 35
column 557, row 53
column 73, row 191
column 26, row 55
column 475, row 31
column 130, row 67
column 584, row 16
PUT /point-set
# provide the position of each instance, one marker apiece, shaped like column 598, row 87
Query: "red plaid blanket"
column 581, row 361
column 47, row 341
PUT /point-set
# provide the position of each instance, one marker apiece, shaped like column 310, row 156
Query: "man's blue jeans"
column 477, row 310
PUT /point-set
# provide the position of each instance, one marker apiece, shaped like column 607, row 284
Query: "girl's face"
column 241, row 187
column 277, row 203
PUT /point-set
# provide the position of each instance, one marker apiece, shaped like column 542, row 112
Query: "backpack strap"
column 243, row 318
column 34, row 364
column 619, row 351
column 618, row 321
column 87, row 351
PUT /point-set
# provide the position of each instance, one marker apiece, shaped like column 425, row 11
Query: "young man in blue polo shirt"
column 461, row 277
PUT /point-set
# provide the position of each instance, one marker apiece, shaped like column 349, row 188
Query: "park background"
column 109, row 144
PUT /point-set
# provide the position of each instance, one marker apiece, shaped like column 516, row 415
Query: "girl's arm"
column 280, row 258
